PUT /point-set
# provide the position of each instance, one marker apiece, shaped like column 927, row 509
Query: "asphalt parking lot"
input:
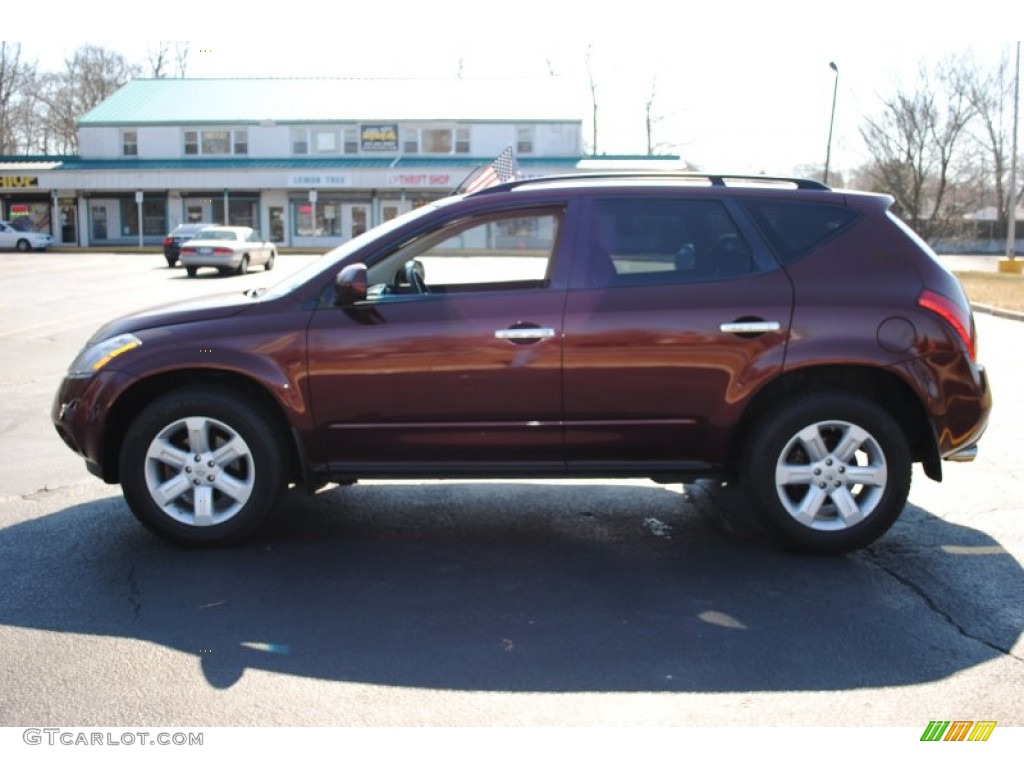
column 475, row 603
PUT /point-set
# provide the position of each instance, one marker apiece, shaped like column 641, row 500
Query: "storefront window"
column 30, row 216
column 154, row 217
column 300, row 141
column 241, row 143
column 320, row 219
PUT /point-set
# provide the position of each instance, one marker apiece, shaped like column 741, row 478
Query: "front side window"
column 498, row 252
column 640, row 241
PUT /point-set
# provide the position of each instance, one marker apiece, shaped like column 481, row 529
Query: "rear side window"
column 794, row 229
column 643, row 241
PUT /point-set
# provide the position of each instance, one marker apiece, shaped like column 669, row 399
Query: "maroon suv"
column 798, row 340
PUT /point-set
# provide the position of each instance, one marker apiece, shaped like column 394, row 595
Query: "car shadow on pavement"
column 523, row 587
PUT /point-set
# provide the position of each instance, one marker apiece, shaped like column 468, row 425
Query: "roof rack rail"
column 715, row 179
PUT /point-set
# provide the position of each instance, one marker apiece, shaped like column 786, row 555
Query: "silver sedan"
column 227, row 249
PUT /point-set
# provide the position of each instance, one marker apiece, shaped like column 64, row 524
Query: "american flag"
column 503, row 168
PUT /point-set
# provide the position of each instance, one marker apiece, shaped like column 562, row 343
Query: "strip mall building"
column 307, row 162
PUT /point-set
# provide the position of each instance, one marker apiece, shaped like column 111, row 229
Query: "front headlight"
column 94, row 357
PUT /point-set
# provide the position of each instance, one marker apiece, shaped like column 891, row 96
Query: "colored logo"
column 958, row 730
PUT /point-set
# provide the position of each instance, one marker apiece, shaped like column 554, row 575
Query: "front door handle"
column 750, row 326
column 524, row 335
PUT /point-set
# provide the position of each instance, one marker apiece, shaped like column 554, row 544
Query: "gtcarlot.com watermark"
column 70, row 737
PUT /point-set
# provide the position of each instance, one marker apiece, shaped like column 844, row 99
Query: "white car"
column 22, row 241
column 228, row 249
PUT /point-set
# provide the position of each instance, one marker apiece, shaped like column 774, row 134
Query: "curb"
column 988, row 309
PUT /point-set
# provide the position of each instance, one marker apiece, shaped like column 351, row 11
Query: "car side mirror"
column 350, row 285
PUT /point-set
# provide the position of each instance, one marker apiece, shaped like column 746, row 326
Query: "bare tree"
column 90, row 76
column 181, row 49
column 914, row 142
column 17, row 86
column 991, row 93
column 649, row 119
column 158, row 59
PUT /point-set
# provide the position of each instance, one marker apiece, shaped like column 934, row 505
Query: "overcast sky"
column 741, row 86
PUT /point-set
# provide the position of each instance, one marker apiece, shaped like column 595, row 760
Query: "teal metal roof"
column 296, row 163
column 297, row 100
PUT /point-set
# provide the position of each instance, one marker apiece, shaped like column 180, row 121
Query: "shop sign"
column 379, row 138
column 19, row 182
column 315, row 180
column 419, row 180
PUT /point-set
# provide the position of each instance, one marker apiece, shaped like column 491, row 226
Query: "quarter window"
column 793, row 229
column 639, row 241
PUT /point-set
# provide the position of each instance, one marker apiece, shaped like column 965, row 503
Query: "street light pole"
column 832, row 120
column 1011, row 213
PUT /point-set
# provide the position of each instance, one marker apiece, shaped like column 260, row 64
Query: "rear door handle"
column 750, row 326
column 521, row 334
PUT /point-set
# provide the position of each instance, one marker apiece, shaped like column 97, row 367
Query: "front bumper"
column 80, row 414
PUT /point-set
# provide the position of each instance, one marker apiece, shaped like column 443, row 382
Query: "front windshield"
column 346, row 249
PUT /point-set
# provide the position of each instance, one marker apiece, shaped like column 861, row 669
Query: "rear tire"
column 201, row 467
column 827, row 473
column 270, row 262
column 243, row 265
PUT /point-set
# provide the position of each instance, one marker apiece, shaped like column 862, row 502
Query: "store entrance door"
column 357, row 219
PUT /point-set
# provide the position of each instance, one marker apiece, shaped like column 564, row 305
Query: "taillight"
column 222, row 251
column 954, row 314
column 187, row 251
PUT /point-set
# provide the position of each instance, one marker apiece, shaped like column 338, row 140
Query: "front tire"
column 24, row 246
column 827, row 473
column 270, row 262
column 200, row 467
